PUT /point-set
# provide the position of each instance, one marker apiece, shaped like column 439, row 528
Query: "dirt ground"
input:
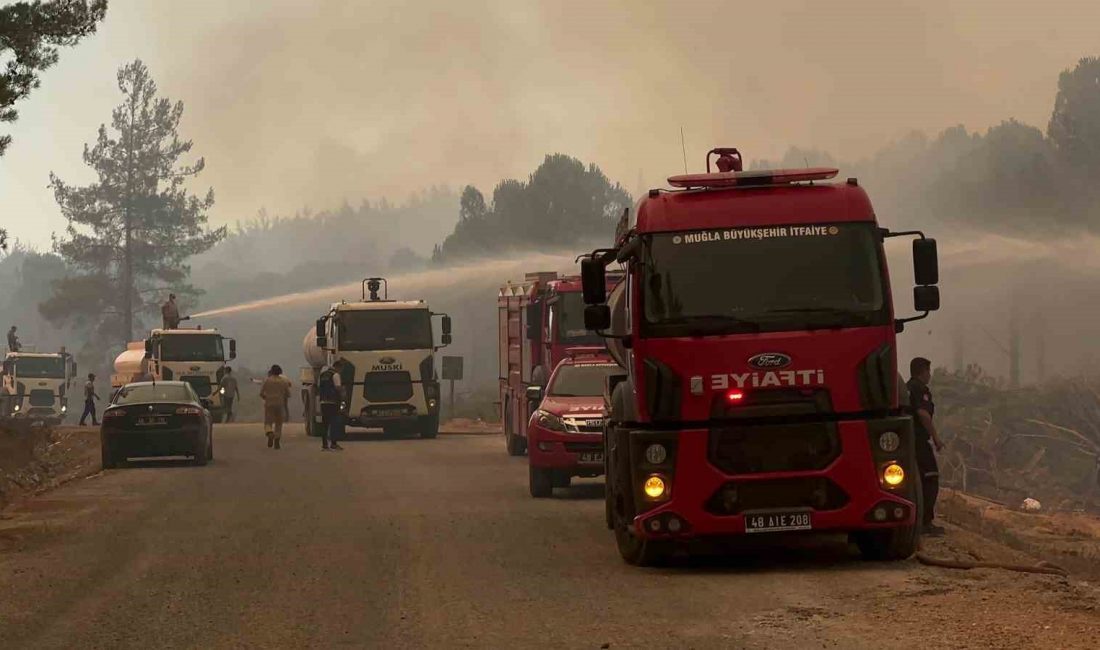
column 363, row 552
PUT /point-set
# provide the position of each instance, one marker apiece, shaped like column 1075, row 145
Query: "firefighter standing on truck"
column 330, row 387
column 170, row 313
column 923, row 408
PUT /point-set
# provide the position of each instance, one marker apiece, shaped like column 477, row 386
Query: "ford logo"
column 769, row 360
column 386, row 361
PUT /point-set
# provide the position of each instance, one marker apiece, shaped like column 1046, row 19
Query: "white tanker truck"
column 35, row 386
column 388, row 350
column 196, row 356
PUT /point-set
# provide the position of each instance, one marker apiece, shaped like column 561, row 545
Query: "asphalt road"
column 411, row 543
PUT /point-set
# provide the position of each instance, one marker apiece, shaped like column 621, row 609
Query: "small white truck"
column 36, row 387
column 194, row 355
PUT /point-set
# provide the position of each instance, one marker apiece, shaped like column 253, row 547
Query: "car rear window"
column 159, row 393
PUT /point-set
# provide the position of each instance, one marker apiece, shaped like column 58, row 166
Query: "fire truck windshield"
column 191, row 347
column 760, row 279
column 385, row 329
column 580, row 380
column 567, row 314
column 40, row 367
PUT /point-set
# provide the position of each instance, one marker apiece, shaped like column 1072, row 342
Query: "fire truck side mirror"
column 593, row 282
column 926, row 298
column 597, row 317
column 232, row 348
column 446, row 325
column 445, row 339
column 148, row 348
column 926, row 267
column 322, row 338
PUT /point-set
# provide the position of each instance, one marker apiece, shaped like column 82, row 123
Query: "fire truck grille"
column 390, row 386
column 758, row 449
column 816, row 493
column 41, row 398
column 200, row 384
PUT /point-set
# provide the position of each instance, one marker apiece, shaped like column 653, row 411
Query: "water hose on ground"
column 1042, row 567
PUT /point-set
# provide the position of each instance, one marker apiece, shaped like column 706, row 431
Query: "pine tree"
column 131, row 232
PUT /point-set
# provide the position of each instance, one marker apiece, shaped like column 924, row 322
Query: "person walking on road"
column 330, row 387
column 275, row 392
column 922, row 408
column 170, row 313
column 89, row 401
column 230, row 393
column 13, row 340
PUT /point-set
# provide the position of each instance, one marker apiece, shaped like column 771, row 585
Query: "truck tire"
column 892, row 544
column 540, row 482
column 429, row 426
column 561, row 479
column 217, row 416
column 310, row 417
column 516, row 445
column 210, row 446
column 636, row 551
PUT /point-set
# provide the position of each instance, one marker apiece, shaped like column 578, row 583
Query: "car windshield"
column 763, row 279
column 581, row 380
column 153, row 393
column 567, row 312
column 40, row 367
column 191, row 347
column 385, row 329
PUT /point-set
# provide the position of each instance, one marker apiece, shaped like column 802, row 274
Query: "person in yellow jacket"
column 275, row 392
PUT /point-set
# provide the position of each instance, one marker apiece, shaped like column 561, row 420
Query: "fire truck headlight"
column 889, row 442
column 15, row 408
column 893, row 475
column 221, row 390
column 655, row 487
column 656, row 454
column 431, row 403
column 64, row 408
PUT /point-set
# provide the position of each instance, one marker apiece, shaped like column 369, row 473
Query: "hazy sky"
column 310, row 102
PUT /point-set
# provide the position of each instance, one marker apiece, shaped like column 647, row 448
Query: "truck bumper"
column 847, row 494
column 570, row 453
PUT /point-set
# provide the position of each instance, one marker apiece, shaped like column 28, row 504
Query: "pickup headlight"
column 549, row 421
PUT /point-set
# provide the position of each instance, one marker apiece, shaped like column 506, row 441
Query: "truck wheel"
column 310, row 417
column 562, row 480
column 515, row 444
column 217, row 416
column 892, row 544
column 429, row 426
column 639, row 551
column 541, row 482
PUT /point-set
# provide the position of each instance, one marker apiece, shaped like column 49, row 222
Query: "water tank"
column 314, row 355
column 131, row 363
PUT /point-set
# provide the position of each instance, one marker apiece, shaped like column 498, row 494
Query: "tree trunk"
column 127, row 253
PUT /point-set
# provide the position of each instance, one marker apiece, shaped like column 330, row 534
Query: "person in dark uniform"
column 923, row 408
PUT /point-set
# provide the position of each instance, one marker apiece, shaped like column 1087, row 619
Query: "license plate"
column 151, row 421
column 389, row 413
column 774, row 522
column 591, row 457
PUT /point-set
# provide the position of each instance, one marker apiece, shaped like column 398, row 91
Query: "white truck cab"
column 35, row 386
column 194, row 355
column 388, row 351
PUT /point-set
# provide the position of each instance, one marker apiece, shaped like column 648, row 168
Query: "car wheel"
column 540, row 482
column 210, row 446
column 200, row 457
column 107, row 459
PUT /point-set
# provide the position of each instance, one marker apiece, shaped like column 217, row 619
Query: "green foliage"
column 30, row 33
column 562, row 203
column 1074, row 127
column 131, row 232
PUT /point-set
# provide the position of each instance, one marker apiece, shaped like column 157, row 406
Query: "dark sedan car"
column 147, row 419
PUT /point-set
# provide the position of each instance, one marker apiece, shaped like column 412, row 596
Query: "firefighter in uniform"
column 923, row 409
column 330, row 389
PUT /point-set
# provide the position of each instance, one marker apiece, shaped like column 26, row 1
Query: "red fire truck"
column 540, row 319
column 760, row 387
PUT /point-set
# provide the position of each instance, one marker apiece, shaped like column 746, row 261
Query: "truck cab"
column 388, row 353
column 757, row 335
column 193, row 355
column 35, row 386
